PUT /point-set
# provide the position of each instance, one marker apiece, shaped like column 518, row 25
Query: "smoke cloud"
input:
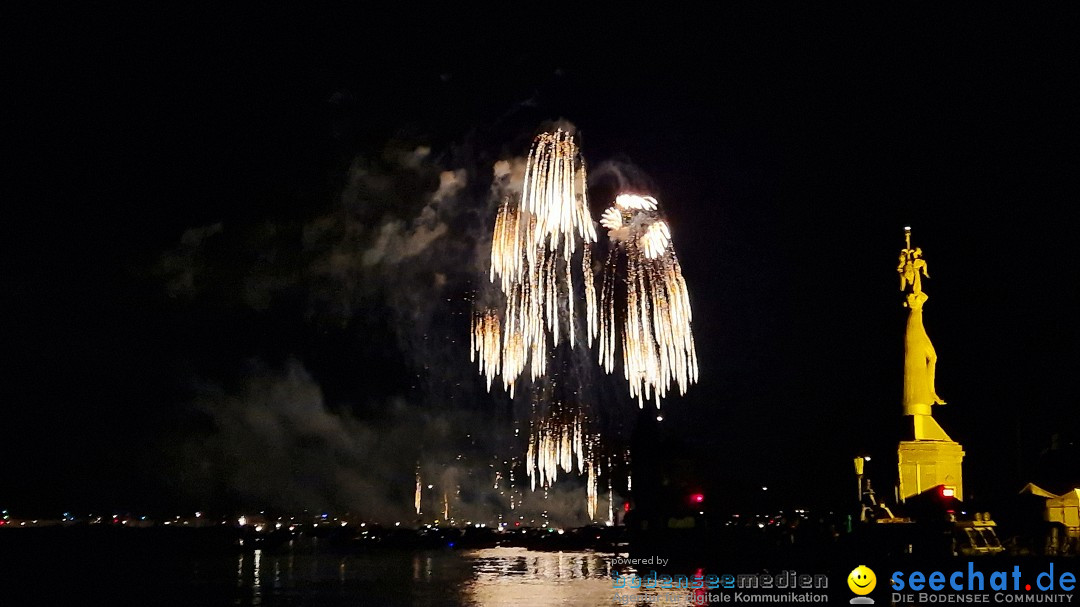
column 404, row 251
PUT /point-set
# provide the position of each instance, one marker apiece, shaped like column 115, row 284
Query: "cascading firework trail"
column 610, row 504
column 591, row 489
column 546, row 287
column 555, row 443
column 532, row 251
column 657, row 341
column 417, row 498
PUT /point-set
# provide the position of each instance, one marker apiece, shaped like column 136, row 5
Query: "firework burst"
column 657, row 341
column 556, row 441
column 533, row 248
column 541, row 263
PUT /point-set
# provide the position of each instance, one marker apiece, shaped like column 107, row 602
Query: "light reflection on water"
column 307, row 571
column 515, row 576
column 256, row 582
column 490, row 577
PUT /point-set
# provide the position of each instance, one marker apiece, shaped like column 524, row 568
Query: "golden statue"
column 911, row 264
column 927, row 458
column 920, row 359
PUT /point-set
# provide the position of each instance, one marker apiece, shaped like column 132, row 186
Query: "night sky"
column 209, row 220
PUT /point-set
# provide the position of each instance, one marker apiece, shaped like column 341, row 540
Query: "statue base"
column 925, row 464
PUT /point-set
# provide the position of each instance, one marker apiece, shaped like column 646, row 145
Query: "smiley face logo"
column 862, row 580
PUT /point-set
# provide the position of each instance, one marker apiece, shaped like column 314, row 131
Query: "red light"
column 626, row 507
column 517, row 523
column 697, row 498
column 947, row 492
column 700, row 592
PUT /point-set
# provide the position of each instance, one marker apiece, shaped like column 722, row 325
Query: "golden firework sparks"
column 532, row 250
column 610, row 504
column 657, row 341
column 555, row 443
column 591, row 490
column 417, row 499
column 655, row 240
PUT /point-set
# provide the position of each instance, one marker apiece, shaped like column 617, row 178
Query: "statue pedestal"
column 925, row 464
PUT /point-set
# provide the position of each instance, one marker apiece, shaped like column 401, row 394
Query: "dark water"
column 307, row 573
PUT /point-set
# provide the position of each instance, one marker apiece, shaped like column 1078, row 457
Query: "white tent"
column 1034, row 489
column 1065, row 509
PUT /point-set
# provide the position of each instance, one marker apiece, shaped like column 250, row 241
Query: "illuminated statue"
column 927, row 458
column 920, row 359
column 911, row 264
